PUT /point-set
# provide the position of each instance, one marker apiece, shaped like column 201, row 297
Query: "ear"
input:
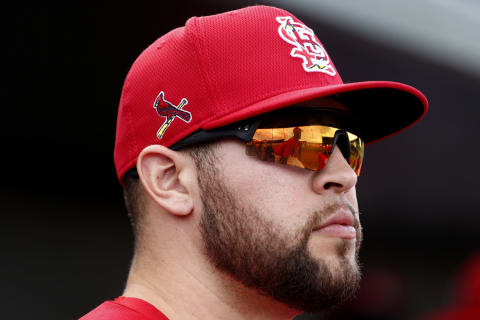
column 166, row 178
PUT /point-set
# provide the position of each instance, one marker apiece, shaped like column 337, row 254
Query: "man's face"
column 258, row 226
column 297, row 134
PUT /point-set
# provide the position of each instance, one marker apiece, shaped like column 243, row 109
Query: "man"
column 289, row 148
column 223, row 235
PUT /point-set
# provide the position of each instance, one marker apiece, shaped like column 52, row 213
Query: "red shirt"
column 125, row 308
column 288, row 148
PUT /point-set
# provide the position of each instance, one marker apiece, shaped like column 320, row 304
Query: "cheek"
column 274, row 192
column 264, row 185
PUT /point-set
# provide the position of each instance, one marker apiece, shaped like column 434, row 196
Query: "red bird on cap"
column 167, row 109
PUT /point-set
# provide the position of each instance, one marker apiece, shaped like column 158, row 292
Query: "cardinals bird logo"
column 166, row 109
column 306, row 46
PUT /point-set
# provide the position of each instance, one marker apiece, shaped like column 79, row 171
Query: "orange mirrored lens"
column 307, row 147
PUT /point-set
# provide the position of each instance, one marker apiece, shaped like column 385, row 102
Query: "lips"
column 339, row 225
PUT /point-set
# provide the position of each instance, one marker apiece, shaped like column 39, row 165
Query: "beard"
column 242, row 243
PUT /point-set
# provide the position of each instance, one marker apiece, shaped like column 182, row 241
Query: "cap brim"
column 382, row 108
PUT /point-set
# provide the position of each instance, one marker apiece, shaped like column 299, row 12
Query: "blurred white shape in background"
column 445, row 31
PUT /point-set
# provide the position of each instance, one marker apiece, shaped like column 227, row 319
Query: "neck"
column 188, row 290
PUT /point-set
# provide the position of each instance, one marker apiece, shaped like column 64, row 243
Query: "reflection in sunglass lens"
column 307, row 147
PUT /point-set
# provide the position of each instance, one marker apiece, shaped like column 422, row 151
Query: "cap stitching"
column 203, row 70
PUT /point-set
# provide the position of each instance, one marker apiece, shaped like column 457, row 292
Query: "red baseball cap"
column 220, row 69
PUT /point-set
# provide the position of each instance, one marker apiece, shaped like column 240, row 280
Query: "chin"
column 338, row 256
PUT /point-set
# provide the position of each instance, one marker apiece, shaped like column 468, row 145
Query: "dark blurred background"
column 66, row 238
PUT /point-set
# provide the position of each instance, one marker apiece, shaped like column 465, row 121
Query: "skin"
column 172, row 268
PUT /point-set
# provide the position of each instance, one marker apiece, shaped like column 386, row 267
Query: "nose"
column 336, row 176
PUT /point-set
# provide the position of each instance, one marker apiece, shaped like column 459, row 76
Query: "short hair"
column 204, row 158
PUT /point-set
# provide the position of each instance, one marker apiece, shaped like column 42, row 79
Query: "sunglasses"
column 308, row 147
column 302, row 137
